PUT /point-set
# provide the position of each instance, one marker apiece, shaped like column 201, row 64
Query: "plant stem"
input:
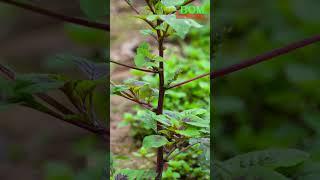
column 132, row 7
column 160, row 161
column 74, row 20
column 253, row 61
column 132, row 67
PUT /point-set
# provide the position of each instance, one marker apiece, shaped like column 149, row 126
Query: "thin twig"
column 132, row 7
column 49, row 13
column 141, row 103
column 132, row 67
column 252, row 61
column 148, row 22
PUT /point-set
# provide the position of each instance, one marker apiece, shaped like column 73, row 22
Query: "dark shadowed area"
column 33, row 145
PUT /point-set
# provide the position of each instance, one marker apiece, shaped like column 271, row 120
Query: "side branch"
column 10, row 75
column 132, row 7
column 133, row 98
column 141, row 103
column 132, row 67
column 253, row 61
column 45, row 12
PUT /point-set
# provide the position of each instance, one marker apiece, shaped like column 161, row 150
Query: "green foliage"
column 58, row 171
column 267, row 158
column 21, row 90
column 136, row 174
column 144, row 58
column 61, row 171
column 186, row 165
column 268, row 164
column 154, row 141
column 180, row 26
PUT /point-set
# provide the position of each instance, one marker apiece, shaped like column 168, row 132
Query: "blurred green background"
column 276, row 103
column 35, row 146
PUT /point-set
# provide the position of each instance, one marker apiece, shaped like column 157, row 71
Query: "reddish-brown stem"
column 132, row 67
column 58, row 16
column 132, row 7
column 160, row 160
column 252, row 61
column 141, row 103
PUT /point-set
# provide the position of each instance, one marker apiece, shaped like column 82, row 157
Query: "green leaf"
column 273, row 158
column 95, row 9
column 78, row 91
column 260, row 173
column 146, row 32
column 148, row 120
column 172, row 2
column 196, row 121
column 181, row 26
column 135, row 83
column 174, row 77
column 139, row 60
column 163, row 120
column 152, row 17
column 172, row 114
column 36, row 83
column 117, row 89
column 189, row 132
column 194, row 112
column 132, row 174
column 143, row 52
column 154, row 141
